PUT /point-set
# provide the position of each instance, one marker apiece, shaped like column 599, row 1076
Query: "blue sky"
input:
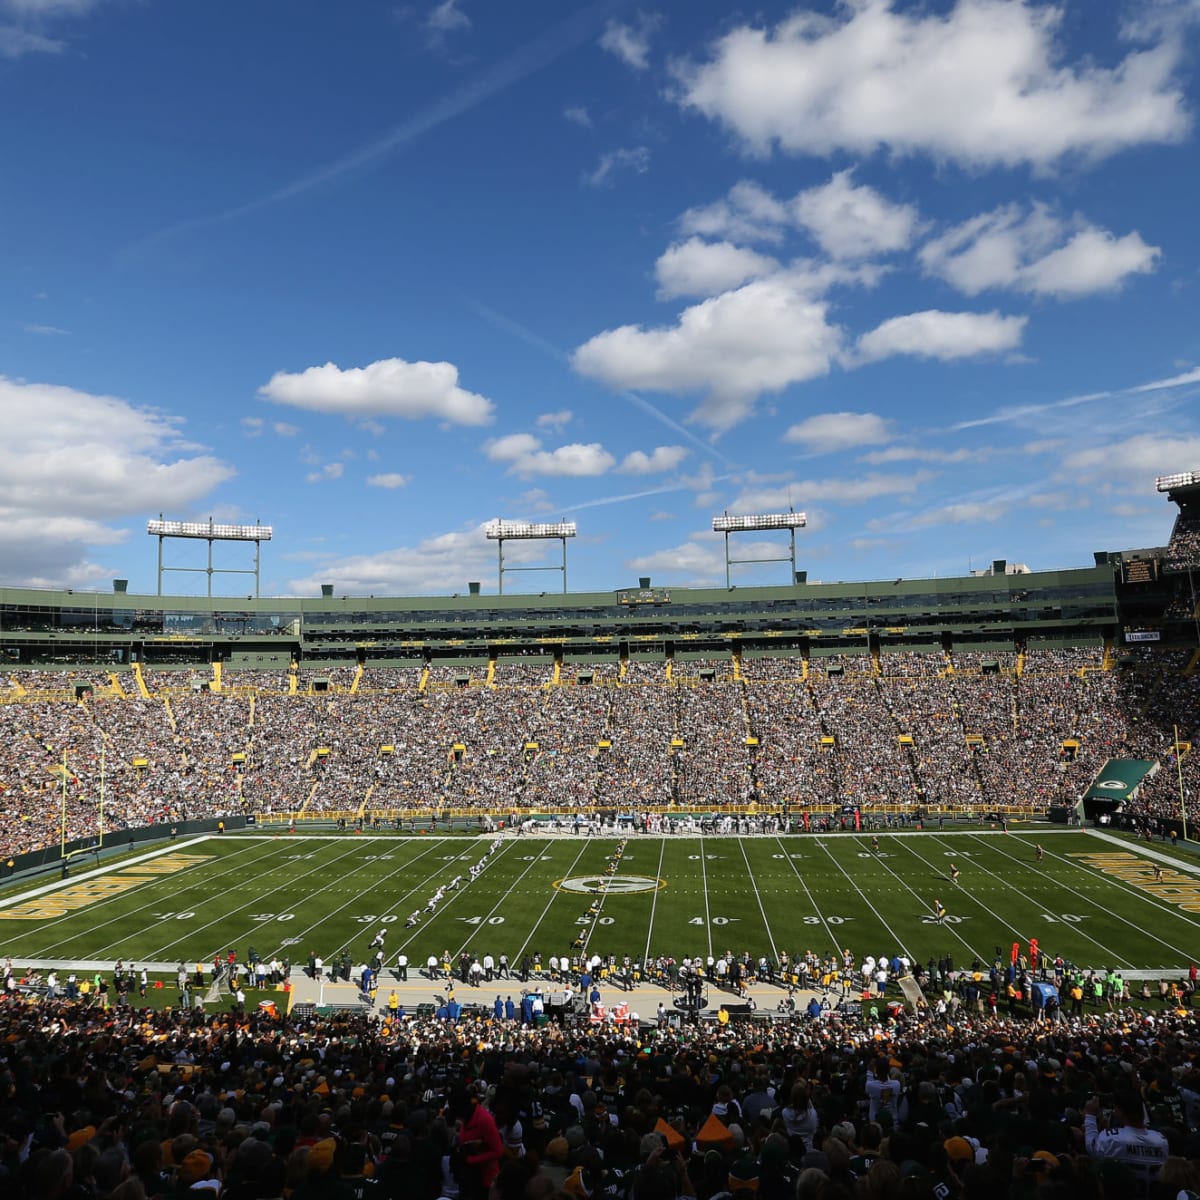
column 375, row 274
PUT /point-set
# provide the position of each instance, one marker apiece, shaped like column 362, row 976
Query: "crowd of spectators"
column 910, row 729
column 1183, row 550
column 127, row 1104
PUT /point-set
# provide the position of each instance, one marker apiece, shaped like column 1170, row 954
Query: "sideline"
column 1146, row 851
column 96, row 872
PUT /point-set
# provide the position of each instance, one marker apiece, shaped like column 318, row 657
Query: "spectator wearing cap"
column 197, row 1168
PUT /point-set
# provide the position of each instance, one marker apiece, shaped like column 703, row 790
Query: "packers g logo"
column 1115, row 784
column 610, row 885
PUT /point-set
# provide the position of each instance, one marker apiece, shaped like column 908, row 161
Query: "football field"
column 1093, row 899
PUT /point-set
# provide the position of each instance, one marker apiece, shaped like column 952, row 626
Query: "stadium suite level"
column 997, row 610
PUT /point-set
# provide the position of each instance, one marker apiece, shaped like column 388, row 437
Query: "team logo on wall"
column 610, row 885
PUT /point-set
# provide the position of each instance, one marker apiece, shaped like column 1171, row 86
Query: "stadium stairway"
column 140, row 680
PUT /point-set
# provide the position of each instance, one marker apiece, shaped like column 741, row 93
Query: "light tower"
column 758, row 523
column 210, row 532
column 500, row 531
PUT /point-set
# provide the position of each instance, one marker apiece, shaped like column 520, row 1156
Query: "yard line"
column 1025, row 896
column 198, row 881
column 421, row 928
column 908, row 953
column 1109, row 912
column 704, row 884
column 816, row 908
column 499, row 904
column 758, row 897
column 947, row 925
column 58, row 885
column 202, row 884
column 556, row 892
column 266, row 896
column 662, row 850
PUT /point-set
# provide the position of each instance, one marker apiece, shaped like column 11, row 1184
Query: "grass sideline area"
column 1093, row 898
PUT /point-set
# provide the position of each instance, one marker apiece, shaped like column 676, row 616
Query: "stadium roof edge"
column 110, row 601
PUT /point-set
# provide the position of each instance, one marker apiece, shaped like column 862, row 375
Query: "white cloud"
column 761, row 337
column 749, row 213
column 330, row 471
column 854, row 222
column 921, row 454
column 578, row 115
column 23, row 25
column 969, row 512
column 703, row 562
column 631, row 44
column 434, row 565
column 555, row 421
column 253, row 426
column 536, row 500
column 1035, row 252
column 1140, row 458
column 389, row 479
column 525, row 457
column 447, row 18
column 285, row 429
column 942, row 335
column 985, row 83
column 49, row 8
column 71, row 463
column 390, row 387
column 627, row 158
column 16, row 42
column 45, row 330
column 698, row 268
column 826, row 433
column 662, row 458
column 846, row 490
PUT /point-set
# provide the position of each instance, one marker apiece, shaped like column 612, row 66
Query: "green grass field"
column 287, row 895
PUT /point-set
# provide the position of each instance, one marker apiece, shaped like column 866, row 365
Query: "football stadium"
column 745, row 823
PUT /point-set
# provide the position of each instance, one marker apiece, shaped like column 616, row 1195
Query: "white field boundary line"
column 146, row 885
column 704, row 885
column 1111, row 954
column 222, row 914
column 189, row 882
column 1137, row 893
column 1144, row 849
column 171, row 848
column 95, row 873
column 815, row 907
column 662, row 850
column 758, row 897
column 555, row 893
column 882, row 920
column 271, row 894
column 499, row 904
column 207, row 901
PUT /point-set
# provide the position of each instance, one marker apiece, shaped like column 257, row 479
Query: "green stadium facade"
column 1122, row 599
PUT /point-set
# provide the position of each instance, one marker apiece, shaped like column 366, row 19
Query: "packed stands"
column 956, row 729
column 122, row 1103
